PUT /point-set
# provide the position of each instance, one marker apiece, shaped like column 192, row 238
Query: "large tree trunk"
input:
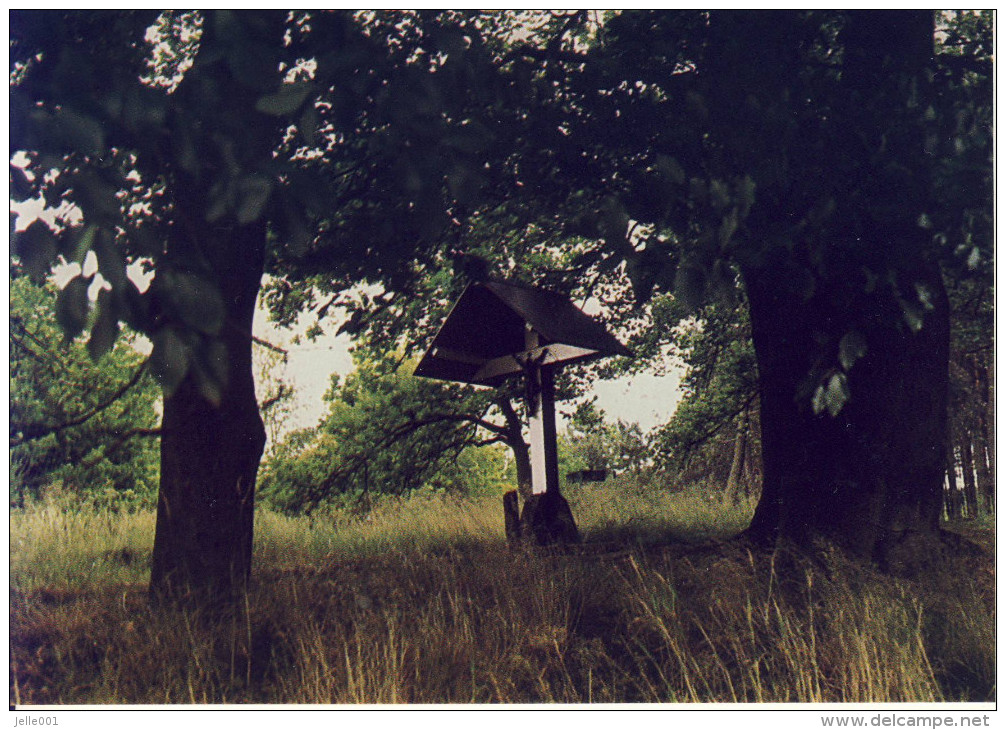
column 210, row 452
column 212, row 442
column 871, row 477
column 857, row 270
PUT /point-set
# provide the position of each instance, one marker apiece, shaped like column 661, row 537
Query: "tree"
column 970, row 442
column 710, row 436
column 386, row 432
column 827, row 474
column 206, row 147
column 275, row 393
column 176, row 174
column 595, row 444
column 89, row 428
column 819, row 159
column 788, row 151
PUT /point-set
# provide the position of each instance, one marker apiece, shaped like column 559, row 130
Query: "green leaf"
column 914, row 316
column 220, row 202
column 698, row 190
column 925, row 296
column 837, row 394
column 197, row 301
column 253, row 194
column 110, row 262
column 728, row 227
column 308, row 125
column 78, row 241
column 669, row 169
column 36, row 247
column 186, row 153
column 851, row 347
column 817, row 402
column 170, row 359
column 286, row 100
column 722, row 279
column 745, row 196
column 106, row 327
column 719, row 195
column 72, row 306
column 690, row 285
column 831, row 396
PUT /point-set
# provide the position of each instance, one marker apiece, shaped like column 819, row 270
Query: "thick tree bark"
column 211, row 448
column 871, row 477
column 210, row 452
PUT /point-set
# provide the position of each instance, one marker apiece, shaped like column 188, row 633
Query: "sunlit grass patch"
column 55, row 546
column 623, row 508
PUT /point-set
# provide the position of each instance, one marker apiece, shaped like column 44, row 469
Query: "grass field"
column 422, row 601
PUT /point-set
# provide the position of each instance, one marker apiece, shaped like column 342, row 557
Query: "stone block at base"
column 548, row 520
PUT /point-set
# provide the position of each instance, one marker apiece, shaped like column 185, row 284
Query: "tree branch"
column 269, row 346
column 35, row 431
column 122, row 438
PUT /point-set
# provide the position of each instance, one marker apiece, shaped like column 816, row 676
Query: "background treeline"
column 90, row 435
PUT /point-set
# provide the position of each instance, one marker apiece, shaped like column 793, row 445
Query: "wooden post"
column 541, row 404
column 546, row 514
column 544, row 451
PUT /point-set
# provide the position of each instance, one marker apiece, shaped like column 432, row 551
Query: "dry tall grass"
column 423, row 602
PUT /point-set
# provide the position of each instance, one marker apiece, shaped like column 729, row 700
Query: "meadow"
column 421, row 600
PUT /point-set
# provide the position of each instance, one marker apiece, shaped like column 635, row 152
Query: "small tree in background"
column 387, row 432
column 592, row 443
column 88, row 426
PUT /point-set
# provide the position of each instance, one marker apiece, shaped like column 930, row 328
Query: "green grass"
column 422, row 601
